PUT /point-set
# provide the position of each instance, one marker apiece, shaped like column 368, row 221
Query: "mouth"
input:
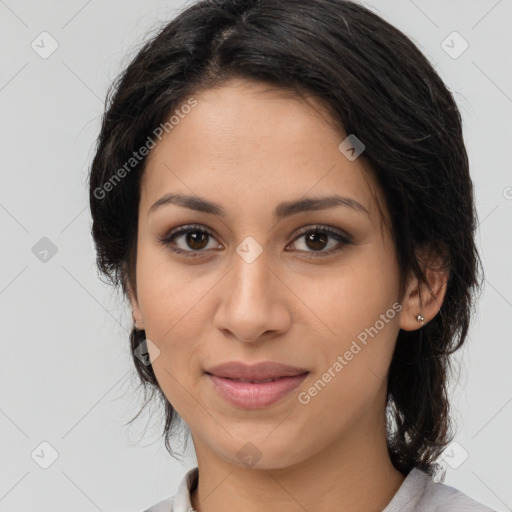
column 257, row 386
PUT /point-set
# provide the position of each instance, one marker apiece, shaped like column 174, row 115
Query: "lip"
column 256, row 394
column 258, row 371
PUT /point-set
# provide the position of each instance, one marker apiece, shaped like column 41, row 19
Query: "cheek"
column 353, row 296
column 167, row 292
column 168, row 301
column 352, row 375
column 358, row 304
column 172, row 324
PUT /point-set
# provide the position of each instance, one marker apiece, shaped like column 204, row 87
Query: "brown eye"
column 189, row 239
column 196, row 239
column 316, row 239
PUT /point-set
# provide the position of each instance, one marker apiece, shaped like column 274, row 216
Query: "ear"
column 419, row 301
column 136, row 313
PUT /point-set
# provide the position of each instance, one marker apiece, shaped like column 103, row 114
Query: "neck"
column 353, row 472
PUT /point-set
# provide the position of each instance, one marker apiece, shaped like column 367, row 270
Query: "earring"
column 420, row 318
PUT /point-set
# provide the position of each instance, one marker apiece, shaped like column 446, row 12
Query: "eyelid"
column 324, row 228
column 184, row 229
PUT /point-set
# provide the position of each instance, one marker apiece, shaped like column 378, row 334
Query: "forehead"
column 257, row 143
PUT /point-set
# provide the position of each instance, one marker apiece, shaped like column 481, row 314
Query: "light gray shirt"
column 418, row 493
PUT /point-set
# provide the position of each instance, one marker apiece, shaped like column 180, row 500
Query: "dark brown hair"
column 378, row 86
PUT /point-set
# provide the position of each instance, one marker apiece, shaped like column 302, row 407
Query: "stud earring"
column 420, row 318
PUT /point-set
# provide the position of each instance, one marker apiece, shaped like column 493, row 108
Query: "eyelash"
column 194, row 228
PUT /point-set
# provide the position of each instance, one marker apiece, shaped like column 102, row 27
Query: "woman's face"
column 261, row 286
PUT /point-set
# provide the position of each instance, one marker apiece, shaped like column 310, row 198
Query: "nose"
column 253, row 301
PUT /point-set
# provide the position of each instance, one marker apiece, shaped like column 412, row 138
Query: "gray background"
column 65, row 373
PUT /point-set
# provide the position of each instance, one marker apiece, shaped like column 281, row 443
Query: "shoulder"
column 161, row 506
column 420, row 493
column 180, row 502
column 439, row 497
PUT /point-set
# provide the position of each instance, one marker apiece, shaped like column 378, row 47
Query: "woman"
column 281, row 189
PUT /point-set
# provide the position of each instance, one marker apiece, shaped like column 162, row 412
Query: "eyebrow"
column 285, row 209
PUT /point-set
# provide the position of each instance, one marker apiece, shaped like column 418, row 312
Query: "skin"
column 248, row 147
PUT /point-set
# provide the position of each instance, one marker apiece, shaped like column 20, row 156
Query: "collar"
column 405, row 499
